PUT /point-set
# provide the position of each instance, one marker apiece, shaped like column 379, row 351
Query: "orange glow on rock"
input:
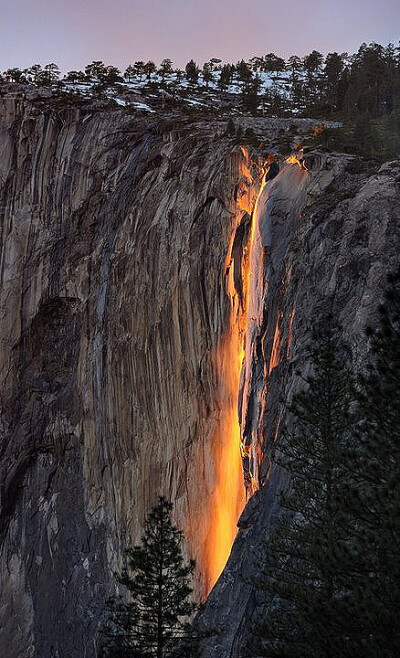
column 290, row 334
column 293, row 159
column 228, row 497
column 276, row 347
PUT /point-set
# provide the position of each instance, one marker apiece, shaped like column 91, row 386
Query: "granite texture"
column 114, row 235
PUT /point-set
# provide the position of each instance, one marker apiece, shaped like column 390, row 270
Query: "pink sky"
column 74, row 32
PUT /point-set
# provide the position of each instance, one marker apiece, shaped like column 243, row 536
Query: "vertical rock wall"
column 114, row 234
column 329, row 236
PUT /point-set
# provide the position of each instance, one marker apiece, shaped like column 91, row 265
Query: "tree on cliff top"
column 307, row 563
column 165, row 67
column 154, row 622
column 192, row 71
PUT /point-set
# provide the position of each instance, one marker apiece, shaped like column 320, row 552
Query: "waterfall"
column 238, row 364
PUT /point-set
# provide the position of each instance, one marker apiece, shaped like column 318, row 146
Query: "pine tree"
column 130, row 73
column 96, row 71
column 250, row 98
column 165, row 68
column 273, row 64
column 244, row 72
column 312, row 67
column 34, row 73
column 112, row 76
column 296, row 67
column 50, row 74
column 139, row 68
column 376, row 462
column 225, row 76
column 15, row 75
column 192, row 71
column 207, row 73
column 307, row 563
column 153, row 623
column 149, row 69
column 74, row 77
column 332, row 72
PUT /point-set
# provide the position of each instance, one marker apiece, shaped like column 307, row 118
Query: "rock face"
column 114, row 235
column 329, row 236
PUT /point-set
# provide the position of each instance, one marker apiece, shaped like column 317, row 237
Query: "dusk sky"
column 74, row 32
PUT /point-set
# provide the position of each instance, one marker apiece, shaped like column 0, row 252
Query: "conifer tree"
column 207, row 73
column 34, row 73
column 139, row 68
column 149, row 69
column 112, row 75
column 244, row 72
column 165, row 68
column 15, row 75
column 332, row 72
column 74, row 77
column 225, row 77
column 273, row 64
column 130, row 73
column 50, row 74
column 376, row 462
column 295, row 66
column 192, row 71
column 153, row 623
column 96, row 71
column 250, row 90
column 307, row 563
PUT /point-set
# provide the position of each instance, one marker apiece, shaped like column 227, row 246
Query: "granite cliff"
column 329, row 237
column 118, row 237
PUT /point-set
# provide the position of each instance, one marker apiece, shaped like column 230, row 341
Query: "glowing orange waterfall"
column 254, row 311
column 236, row 457
column 228, row 497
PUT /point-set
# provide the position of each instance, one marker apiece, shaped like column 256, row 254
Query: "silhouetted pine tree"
column 192, row 71
column 376, row 462
column 165, row 67
column 154, row 621
column 332, row 74
column 307, row 564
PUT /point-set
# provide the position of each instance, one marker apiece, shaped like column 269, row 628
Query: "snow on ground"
column 193, row 102
column 141, row 106
column 179, row 88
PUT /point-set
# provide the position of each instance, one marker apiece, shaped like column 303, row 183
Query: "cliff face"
column 328, row 237
column 114, row 239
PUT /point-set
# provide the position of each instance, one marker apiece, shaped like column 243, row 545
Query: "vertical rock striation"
column 327, row 238
column 115, row 232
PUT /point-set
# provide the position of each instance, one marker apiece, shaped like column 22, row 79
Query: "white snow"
column 184, row 92
column 141, row 106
